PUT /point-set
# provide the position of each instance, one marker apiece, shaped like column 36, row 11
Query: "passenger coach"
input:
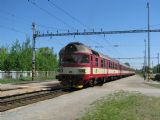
column 81, row 66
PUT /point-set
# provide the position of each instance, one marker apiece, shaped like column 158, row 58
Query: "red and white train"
column 81, row 66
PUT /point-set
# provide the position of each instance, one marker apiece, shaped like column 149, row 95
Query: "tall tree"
column 26, row 56
column 19, row 56
column 46, row 59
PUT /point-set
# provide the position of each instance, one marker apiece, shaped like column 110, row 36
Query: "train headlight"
column 82, row 70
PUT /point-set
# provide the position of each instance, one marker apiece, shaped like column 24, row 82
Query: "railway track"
column 10, row 102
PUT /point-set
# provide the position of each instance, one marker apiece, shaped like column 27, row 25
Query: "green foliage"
column 46, row 59
column 156, row 69
column 25, row 80
column 125, row 106
column 19, row 58
column 3, row 57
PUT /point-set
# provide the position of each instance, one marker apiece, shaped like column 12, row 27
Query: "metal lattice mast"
column 145, row 56
column 93, row 33
column 149, row 66
column 33, row 51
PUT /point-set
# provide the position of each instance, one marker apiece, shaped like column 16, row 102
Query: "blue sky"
column 17, row 16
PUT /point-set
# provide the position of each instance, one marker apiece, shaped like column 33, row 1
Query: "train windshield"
column 75, row 58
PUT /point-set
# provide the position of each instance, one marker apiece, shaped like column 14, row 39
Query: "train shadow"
column 58, row 86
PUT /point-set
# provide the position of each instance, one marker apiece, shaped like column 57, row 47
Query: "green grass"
column 125, row 106
column 24, row 80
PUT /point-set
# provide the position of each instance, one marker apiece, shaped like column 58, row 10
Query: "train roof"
column 107, row 57
column 80, row 47
column 76, row 47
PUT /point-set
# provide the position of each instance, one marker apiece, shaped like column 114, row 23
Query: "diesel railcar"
column 81, row 66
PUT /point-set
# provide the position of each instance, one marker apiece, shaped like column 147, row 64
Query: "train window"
column 102, row 63
column 106, row 63
column 110, row 64
column 96, row 62
column 85, row 59
column 75, row 58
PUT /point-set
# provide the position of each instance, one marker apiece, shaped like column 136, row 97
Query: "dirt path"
column 74, row 105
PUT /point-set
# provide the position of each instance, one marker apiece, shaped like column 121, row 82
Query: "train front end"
column 74, row 70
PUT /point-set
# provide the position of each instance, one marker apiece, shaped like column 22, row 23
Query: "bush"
column 157, row 77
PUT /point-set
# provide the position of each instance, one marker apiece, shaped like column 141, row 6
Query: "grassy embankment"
column 24, row 80
column 125, row 106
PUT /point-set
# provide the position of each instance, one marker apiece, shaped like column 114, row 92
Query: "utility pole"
column 158, row 63
column 148, row 43
column 33, row 51
column 145, row 56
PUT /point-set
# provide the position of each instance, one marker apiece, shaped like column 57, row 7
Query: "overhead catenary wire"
column 11, row 20
column 73, row 18
column 48, row 27
column 110, row 45
column 68, row 14
column 12, row 29
column 131, row 58
column 65, row 13
column 78, row 21
column 51, row 14
column 28, row 22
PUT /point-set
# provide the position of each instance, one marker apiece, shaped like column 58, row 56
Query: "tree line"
column 18, row 57
column 155, row 69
